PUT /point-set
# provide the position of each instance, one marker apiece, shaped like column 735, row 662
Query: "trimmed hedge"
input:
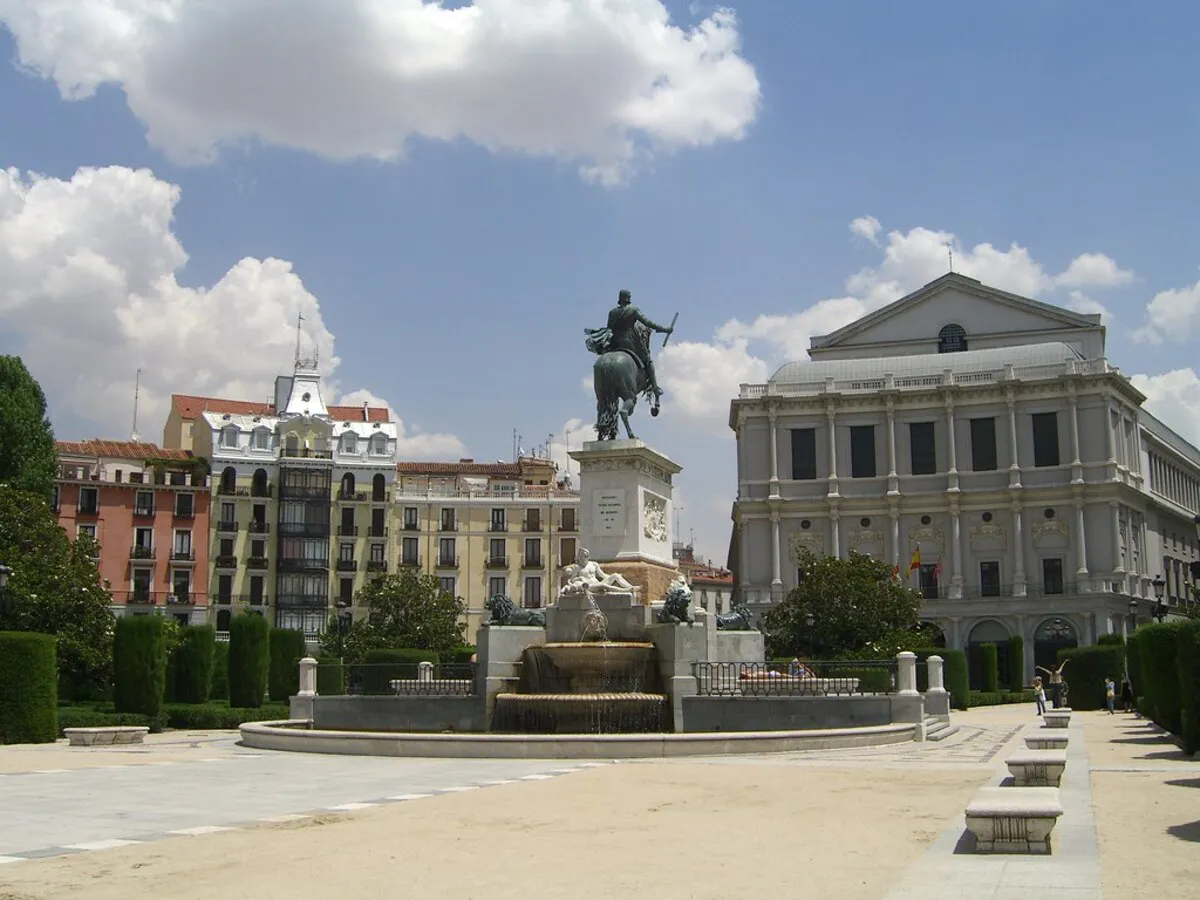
column 1188, row 662
column 28, row 688
column 991, row 668
column 1016, row 664
column 1110, row 640
column 382, row 665
column 871, row 680
column 1085, row 674
column 249, row 648
column 1158, row 647
column 954, row 673
column 330, row 673
column 139, row 665
column 192, row 663
column 204, row 716
column 458, row 655
column 1133, row 667
column 220, row 675
column 287, row 649
column 1000, row 698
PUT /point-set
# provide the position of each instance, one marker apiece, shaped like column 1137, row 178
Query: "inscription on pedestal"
column 608, row 512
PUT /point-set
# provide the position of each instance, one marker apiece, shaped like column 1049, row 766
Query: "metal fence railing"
column 795, row 679
column 403, row 679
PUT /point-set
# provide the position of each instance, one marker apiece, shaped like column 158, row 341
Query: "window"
column 1052, row 576
column 804, row 454
column 142, row 579
column 446, row 552
column 496, row 550
column 346, row 591
column 410, row 518
column 497, row 585
column 408, row 551
column 256, row 590
column 378, row 529
column 983, row 445
column 448, row 519
column 533, row 593
column 533, row 551
column 379, row 444
column 566, row 550
column 224, row 588
column 929, row 573
column 952, row 339
column 181, row 585
column 262, row 439
column 349, row 442
column 182, row 547
column 229, row 436
column 446, row 584
column 86, row 531
column 923, row 448
column 225, row 548
column 258, row 549
column 89, row 500
column 377, row 553
column 143, row 503
column 378, row 489
column 568, row 520
column 533, row 520
column 498, row 521
column 1045, row 439
column 184, row 506
column 862, row 451
column 346, row 553
column 989, row 579
column 143, row 541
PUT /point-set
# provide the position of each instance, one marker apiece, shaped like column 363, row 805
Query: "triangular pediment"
column 914, row 321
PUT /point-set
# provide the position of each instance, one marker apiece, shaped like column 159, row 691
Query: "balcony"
column 534, row 525
column 224, row 490
column 411, row 562
column 227, row 527
column 497, row 526
column 263, row 491
column 230, row 599
column 140, row 597
column 347, row 565
column 412, row 526
column 138, row 552
column 226, row 562
column 304, row 529
column 376, row 531
column 377, row 565
column 351, row 496
column 220, row 599
column 143, row 511
column 186, row 513
column 447, row 562
column 315, row 565
column 533, row 562
column 181, row 555
column 304, row 453
column 385, row 497
column 347, row 531
column 496, row 562
column 448, row 526
column 257, row 527
column 88, row 509
column 568, row 526
column 256, row 562
column 180, row 598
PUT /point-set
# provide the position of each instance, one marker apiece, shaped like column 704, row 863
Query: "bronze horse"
column 618, row 381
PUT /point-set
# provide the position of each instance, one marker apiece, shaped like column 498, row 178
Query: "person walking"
column 1126, row 694
column 1110, row 695
column 1039, row 695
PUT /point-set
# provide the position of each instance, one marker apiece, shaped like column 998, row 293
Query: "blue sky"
column 453, row 281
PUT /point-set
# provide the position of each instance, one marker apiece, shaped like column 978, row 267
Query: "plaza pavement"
column 194, row 815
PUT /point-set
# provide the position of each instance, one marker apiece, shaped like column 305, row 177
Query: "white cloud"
column 699, row 379
column 1171, row 315
column 1174, row 397
column 602, row 84
column 1094, row 270
column 866, row 227
column 1082, row 303
column 88, row 283
column 417, row 444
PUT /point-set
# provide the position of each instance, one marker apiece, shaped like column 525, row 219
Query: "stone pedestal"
column 679, row 646
column 626, row 512
column 627, row 617
column 498, row 658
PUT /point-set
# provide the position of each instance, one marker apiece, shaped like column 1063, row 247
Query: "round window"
column 805, row 524
column 925, row 520
column 987, row 517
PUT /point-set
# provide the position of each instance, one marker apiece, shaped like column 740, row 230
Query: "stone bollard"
column 906, row 673
column 301, row 706
column 937, row 701
column 937, row 678
column 425, row 672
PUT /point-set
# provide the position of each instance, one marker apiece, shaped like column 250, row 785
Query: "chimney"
column 366, row 415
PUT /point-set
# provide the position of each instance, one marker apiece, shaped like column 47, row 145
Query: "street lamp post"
column 1160, row 588
column 1133, row 608
column 809, row 620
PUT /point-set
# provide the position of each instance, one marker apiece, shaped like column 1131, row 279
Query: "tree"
column 28, row 457
column 856, row 606
column 404, row 610
column 55, row 589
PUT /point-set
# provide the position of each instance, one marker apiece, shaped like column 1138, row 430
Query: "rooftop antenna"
column 550, row 445
column 950, row 252
column 137, row 389
column 299, row 322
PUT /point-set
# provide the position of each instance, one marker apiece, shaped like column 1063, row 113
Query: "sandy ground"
column 679, row 830
column 1148, row 816
column 174, row 746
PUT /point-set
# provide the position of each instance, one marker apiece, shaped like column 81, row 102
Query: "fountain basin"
column 627, row 712
column 589, row 667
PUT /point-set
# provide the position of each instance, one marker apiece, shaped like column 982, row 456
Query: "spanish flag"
column 916, row 562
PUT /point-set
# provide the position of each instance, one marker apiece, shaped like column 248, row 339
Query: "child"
column 1039, row 695
column 1110, row 695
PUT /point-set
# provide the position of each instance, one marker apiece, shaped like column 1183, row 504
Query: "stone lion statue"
column 677, row 603
column 737, row 619
column 505, row 612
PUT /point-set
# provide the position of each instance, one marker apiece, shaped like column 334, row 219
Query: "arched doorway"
column 1050, row 637
column 378, row 488
column 258, row 486
column 223, row 618
column 987, row 632
column 347, row 486
column 228, row 480
column 932, row 634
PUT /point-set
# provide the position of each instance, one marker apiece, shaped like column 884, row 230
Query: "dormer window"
column 349, row 443
column 262, row 439
column 952, row 339
column 379, row 444
column 229, row 436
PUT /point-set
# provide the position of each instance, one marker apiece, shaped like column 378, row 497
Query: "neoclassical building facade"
column 982, row 443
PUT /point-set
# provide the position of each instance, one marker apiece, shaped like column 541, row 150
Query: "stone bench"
column 1037, row 768
column 1057, row 718
column 1040, row 740
column 113, row 734
column 1013, row 819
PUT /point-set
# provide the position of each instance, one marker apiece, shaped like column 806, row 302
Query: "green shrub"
column 871, row 680
column 330, row 673
column 1188, row 661
column 991, row 668
column 458, row 655
column 1110, row 640
column 1000, row 698
column 954, row 673
column 192, row 663
column 1133, row 665
column 28, row 688
column 249, row 640
column 205, row 716
column 139, row 665
column 381, row 666
column 1158, row 647
column 287, row 649
column 1016, row 663
column 220, row 676
column 88, row 717
column 1085, row 673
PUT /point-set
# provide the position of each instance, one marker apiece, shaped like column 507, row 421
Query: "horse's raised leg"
column 626, row 411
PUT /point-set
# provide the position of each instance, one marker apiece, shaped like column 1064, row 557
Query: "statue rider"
column 624, row 334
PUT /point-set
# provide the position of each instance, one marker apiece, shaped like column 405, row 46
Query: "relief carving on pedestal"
column 926, row 534
column 654, row 517
column 806, row 542
column 981, row 533
column 1049, row 528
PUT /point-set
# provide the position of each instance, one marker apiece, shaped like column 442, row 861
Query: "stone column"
column 906, row 673
column 1081, row 569
column 835, row 536
column 774, row 486
column 895, row 515
column 1014, row 466
column 301, row 706
column 1118, row 565
column 1111, row 441
column 953, row 454
column 893, row 479
column 956, row 576
column 937, row 701
column 1076, row 463
column 1018, row 553
column 776, row 571
column 831, row 416
column 937, row 681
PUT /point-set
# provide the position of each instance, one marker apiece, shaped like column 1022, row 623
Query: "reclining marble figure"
column 585, row 576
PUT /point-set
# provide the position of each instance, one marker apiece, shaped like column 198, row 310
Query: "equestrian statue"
column 625, row 368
